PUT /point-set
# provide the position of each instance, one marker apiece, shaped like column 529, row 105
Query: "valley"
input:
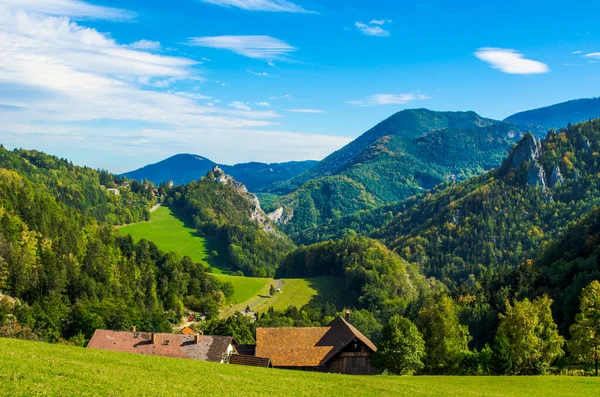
column 171, row 234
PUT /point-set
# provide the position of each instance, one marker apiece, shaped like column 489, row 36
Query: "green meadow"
column 171, row 234
column 40, row 369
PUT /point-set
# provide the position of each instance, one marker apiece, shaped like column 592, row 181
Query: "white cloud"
column 510, row 61
column 263, row 104
column 258, row 47
column 593, row 55
column 380, row 22
column 58, row 78
column 144, row 44
column 389, row 99
column 576, row 52
column 304, row 111
column 261, row 74
column 373, row 28
column 261, row 5
column 239, row 105
column 68, row 8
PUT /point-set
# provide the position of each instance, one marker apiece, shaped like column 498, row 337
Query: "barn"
column 337, row 348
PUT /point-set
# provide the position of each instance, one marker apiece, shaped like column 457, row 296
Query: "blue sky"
column 119, row 84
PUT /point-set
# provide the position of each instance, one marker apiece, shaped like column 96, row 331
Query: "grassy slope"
column 300, row 292
column 171, row 234
column 32, row 368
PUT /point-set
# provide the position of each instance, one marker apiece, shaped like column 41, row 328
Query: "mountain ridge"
column 183, row 168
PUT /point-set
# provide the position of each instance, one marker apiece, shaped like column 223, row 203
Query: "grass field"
column 300, row 292
column 171, row 234
column 39, row 369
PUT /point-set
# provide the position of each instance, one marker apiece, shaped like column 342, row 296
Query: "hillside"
column 412, row 151
column 72, row 273
column 81, row 188
column 185, row 168
column 539, row 121
column 221, row 208
column 568, row 264
column 501, row 218
column 77, row 371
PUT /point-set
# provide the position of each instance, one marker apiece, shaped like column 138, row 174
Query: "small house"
column 194, row 347
column 337, row 348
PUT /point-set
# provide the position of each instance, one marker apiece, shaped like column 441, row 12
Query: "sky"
column 121, row 84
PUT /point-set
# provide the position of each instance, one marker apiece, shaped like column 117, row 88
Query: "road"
column 262, row 299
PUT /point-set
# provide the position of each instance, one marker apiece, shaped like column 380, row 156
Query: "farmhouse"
column 195, row 347
column 337, row 348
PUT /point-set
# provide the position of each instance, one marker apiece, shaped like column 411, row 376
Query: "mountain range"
column 185, row 168
column 410, row 152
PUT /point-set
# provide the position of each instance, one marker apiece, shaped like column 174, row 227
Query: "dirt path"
column 154, row 208
column 262, row 298
column 252, row 303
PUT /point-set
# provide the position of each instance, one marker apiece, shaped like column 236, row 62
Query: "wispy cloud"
column 144, row 44
column 239, row 105
column 314, row 111
column 70, row 8
column 576, row 52
column 389, row 99
column 510, row 61
column 258, row 47
column 261, row 74
column 64, row 77
column 261, row 5
column 263, row 104
column 373, row 28
column 593, row 55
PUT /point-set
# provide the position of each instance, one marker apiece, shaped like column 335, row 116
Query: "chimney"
column 348, row 315
column 133, row 329
column 153, row 338
column 196, row 339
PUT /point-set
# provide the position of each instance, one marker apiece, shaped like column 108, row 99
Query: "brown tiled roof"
column 307, row 347
column 208, row 348
column 251, row 361
column 292, row 347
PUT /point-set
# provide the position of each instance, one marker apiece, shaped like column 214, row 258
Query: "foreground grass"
column 38, row 369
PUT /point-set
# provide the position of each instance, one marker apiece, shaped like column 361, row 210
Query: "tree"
column 531, row 335
column 446, row 339
column 402, row 348
column 272, row 290
column 585, row 333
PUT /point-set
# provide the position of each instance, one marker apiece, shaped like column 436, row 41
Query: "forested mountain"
column 501, row 218
column 81, row 187
column 411, row 151
column 71, row 273
column 220, row 207
column 184, row 168
column 569, row 264
column 374, row 277
column 539, row 121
